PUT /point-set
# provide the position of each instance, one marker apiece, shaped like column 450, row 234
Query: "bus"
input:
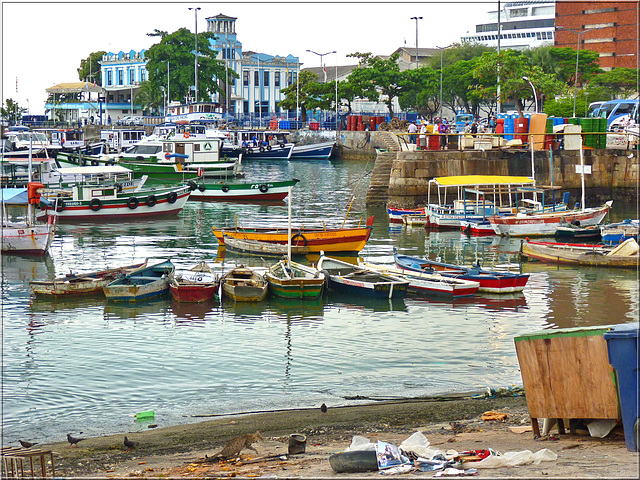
column 616, row 112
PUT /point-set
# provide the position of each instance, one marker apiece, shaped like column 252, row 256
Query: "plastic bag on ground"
column 359, row 443
column 418, row 444
column 601, row 428
column 513, row 459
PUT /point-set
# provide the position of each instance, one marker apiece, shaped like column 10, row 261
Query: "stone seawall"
column 400, row 178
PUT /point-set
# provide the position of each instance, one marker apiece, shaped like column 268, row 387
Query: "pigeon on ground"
column 323, row 408
column 129, row 444
column 73, row 441
column 26, row 444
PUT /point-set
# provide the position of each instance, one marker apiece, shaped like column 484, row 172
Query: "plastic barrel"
column 521, row 125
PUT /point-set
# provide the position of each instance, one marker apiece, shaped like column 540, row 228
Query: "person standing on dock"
column 412, row 129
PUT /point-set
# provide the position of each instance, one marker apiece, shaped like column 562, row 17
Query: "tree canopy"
column 89, row 70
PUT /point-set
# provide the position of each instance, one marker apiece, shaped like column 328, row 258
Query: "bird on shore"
column 26, row 444
column 73, row 441
column 323, row 408
column 129, row 444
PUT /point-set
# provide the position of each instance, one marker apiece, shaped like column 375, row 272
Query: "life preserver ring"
column 172, row 197
column 186, row 135
column 192, row 185
column 167, row 156
column 261, row 149
column 95, row 163
column 202, row 188
column 60, row 206
column 225, row 188
column 270, row 137
column 133, row 203
column 268, row 148
column 263, row 188
column 299, row 235
column 95, row 204
column 151, row 200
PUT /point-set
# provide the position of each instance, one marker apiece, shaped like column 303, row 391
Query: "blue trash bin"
column 622, row 343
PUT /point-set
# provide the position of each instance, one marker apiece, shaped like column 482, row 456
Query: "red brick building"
column 612, row 30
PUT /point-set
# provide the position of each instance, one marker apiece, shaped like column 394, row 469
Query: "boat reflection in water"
column 339, row 300
column 155, row 310
column 22, row 269
column 494, row 302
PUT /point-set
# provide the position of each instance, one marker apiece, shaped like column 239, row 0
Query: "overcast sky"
column 44, row 42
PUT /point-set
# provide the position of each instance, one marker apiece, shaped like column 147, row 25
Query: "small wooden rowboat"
column 83, row 283
column 289, row 279
column 197, row 285
column 142, row 284
column 360, row 280
column 624, row 255
column 243, row 284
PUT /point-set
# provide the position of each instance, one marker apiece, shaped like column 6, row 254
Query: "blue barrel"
column 622, row 343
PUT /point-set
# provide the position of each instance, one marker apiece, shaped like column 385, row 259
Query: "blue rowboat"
column 143, row 284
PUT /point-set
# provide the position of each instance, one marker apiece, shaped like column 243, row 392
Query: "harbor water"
column 86, row 365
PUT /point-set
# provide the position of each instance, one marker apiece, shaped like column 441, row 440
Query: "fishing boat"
column 256, row 247
column 576, row 232
column 396, row 214
column 313, row 150
column 261, row 144
column 22, row 234
column 105, row 202
column 614, row 233
column 143, row 284
column 196, row 285
column 82, row 283
column 546, row 223
column 624, row 255
column 351, row 239
column 492, row 281
column 415, row 220
column 241, row 191
column 288, row 279
column 244, row 284
column 361, row 280
column 481, row 228
column 431, row 284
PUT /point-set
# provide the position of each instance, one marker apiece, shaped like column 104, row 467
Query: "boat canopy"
column 471, row 180
column 19, row 196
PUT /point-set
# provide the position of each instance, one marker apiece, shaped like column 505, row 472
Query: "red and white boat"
column 396, row 214
column 477, row 229
column 197, row 285
column 242, row 191
column 546, row 224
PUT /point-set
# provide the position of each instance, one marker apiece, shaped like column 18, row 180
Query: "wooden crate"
column 566, row 374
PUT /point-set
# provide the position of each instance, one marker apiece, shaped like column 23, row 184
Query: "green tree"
column 178, row 50
column 150, row 97
column 11, row 111
column 459, row 84
column 565, row 58
column 89, row 70
column 421, row 91
column 616, row 83
column 382, row 76
column 303, row 93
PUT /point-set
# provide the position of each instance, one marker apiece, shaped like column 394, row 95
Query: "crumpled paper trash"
column 513, row 459
column 418, row 444
column 494, row 416
column 359, row 443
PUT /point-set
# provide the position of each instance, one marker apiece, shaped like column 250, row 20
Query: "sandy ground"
column 449, row 423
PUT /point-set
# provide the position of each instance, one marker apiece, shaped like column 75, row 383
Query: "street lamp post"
column 440, row 99
column 336, row 79
column 416, row 19
column 526, row 79
column 575, row 82
column 195, row 12
column 322, row 55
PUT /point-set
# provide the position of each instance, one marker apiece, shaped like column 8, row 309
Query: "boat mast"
column 582, row 176
column 289, row 231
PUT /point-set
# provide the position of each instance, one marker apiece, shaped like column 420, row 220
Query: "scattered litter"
column 513, row 459
column 359, row 443
column 601, row 428
column 512, row 391
column 455, row 472
column 397, row 470
column 144, row 416
column 494, row 416
column 389, row 455
column 418, row 444
column 522, row 429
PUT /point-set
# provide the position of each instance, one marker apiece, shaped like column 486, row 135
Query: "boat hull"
column 26, row 239
column 328, row 240
column 144, row 284
column 244, row 285
column 254, row 247
column 275, row 152
column 234, row 192
column 561, row 253
column 193, row 293
column 396, row 214
column 300, row 282
column 318, row 150
column 546, row 224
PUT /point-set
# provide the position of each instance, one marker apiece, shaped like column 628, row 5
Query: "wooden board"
column 537, row 128
column 567, row 375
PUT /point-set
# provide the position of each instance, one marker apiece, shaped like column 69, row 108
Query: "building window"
column 120, row 77
column 266, row 78
column 245, row 78
column 276, row 80
column 132, row 76
column 109, row 77
column 256, row 78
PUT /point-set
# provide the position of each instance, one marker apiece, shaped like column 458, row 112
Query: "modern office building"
column 524, row 24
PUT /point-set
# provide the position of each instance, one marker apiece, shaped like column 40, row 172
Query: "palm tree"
column 150, row 98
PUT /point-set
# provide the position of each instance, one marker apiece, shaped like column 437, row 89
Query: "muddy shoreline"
column 452, row 422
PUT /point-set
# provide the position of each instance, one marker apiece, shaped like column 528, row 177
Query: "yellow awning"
column 472, row 180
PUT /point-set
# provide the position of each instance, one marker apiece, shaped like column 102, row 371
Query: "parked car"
column 124, row 120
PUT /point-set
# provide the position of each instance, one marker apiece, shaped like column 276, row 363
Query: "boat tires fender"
column 282, row 145
column 151, row 200
column 299, row 236
column 173, row 196
column 95, row 163
column 192, row 185
column 268, row 148
column 202, row 188
column 249, row 150
column 264, row 189
column 60, row 205
column 225, row 188
column 95, row 204
column 132, row 203
column 261, row 149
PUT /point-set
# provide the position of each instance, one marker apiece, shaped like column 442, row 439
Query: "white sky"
column 44, row 42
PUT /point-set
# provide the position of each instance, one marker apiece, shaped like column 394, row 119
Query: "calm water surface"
column 88, row 365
